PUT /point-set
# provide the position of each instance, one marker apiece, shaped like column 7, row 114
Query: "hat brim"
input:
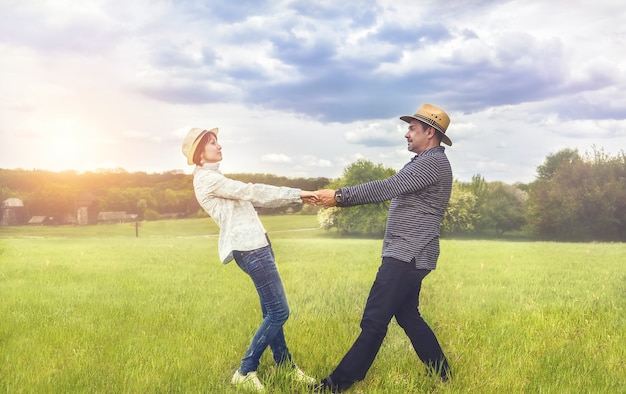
column 444, row 138
column 196, row 142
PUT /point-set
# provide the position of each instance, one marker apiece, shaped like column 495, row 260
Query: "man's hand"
column 309, row 197
column 326, row 197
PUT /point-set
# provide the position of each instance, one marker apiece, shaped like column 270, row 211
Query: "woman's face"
column 212, row 152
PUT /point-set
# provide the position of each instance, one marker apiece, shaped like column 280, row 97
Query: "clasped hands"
column 324, row 197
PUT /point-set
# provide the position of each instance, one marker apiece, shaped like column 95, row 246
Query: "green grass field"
column 96, row 310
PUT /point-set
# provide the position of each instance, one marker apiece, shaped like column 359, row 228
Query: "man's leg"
column 387, row 292
column 421, row 335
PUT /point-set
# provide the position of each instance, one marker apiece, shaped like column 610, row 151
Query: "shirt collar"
column 208, row 167
column 211, row 166
column 429, row 151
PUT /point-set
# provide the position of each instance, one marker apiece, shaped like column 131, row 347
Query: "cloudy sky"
column 302, row 88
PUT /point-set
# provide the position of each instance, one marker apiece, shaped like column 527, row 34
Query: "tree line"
column 150, row 196
column 575, row 197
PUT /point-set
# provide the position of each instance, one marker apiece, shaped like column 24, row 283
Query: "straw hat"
column 432, row 116
column 191, row 141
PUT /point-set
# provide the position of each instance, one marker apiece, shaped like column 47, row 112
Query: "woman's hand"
column 309, row 197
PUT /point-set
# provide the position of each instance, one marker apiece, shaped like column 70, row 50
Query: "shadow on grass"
column 518, row 236
column 514, row 236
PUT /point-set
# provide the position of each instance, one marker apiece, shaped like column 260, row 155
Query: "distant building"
column 86, row 209
column 12, row 212
column 41, row 221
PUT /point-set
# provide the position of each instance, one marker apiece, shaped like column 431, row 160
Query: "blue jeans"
column 260, row 265
column 395, row 292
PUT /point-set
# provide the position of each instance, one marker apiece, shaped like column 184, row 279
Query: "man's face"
column 417, row 137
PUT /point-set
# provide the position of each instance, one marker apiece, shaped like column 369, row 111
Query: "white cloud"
column 276, row 158
column 381, row 133
column 313, row 161
column 322, row 84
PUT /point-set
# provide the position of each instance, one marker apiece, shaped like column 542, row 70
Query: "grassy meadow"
column 97, row 310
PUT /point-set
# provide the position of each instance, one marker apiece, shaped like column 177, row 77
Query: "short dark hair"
column 438, row 134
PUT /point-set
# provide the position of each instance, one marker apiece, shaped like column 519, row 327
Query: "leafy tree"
column 142, row 207
column 554, row 162
column 269, row 179
column 127, row 199
column 52, row 199
column 462, row 213
column 479, row 188
column 169, row 201
column 151, row 214
column 503, row 208
column 579, row 198
column 188, row 201
column 368, row 219
column 327, row 218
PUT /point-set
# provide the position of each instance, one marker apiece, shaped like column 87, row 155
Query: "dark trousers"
column 395, row 293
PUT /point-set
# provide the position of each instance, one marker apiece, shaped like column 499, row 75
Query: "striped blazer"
column 419, row 195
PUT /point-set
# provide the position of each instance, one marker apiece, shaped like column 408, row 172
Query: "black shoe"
column 326, row 386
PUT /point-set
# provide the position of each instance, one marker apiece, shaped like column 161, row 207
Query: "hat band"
column 429, row 121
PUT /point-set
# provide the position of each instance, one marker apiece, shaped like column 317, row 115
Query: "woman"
column 243, row 239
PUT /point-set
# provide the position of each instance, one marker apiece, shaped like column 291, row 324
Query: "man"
column 419, row 195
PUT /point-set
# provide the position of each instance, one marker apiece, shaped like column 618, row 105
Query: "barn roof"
column 12, row 202
column 37, row 219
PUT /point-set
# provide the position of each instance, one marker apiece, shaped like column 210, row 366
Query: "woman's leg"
column 260, row 265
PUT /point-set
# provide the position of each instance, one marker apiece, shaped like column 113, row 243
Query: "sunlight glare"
column 67, row 145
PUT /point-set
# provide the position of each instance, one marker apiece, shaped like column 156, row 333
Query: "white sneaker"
column 301, row 377
column 248, row 382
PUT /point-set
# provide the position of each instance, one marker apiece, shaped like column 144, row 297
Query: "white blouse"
column 231, row 205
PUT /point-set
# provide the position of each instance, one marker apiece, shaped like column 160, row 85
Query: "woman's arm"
column 261, row 195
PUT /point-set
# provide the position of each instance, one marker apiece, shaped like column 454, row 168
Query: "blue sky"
column 304, row 88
